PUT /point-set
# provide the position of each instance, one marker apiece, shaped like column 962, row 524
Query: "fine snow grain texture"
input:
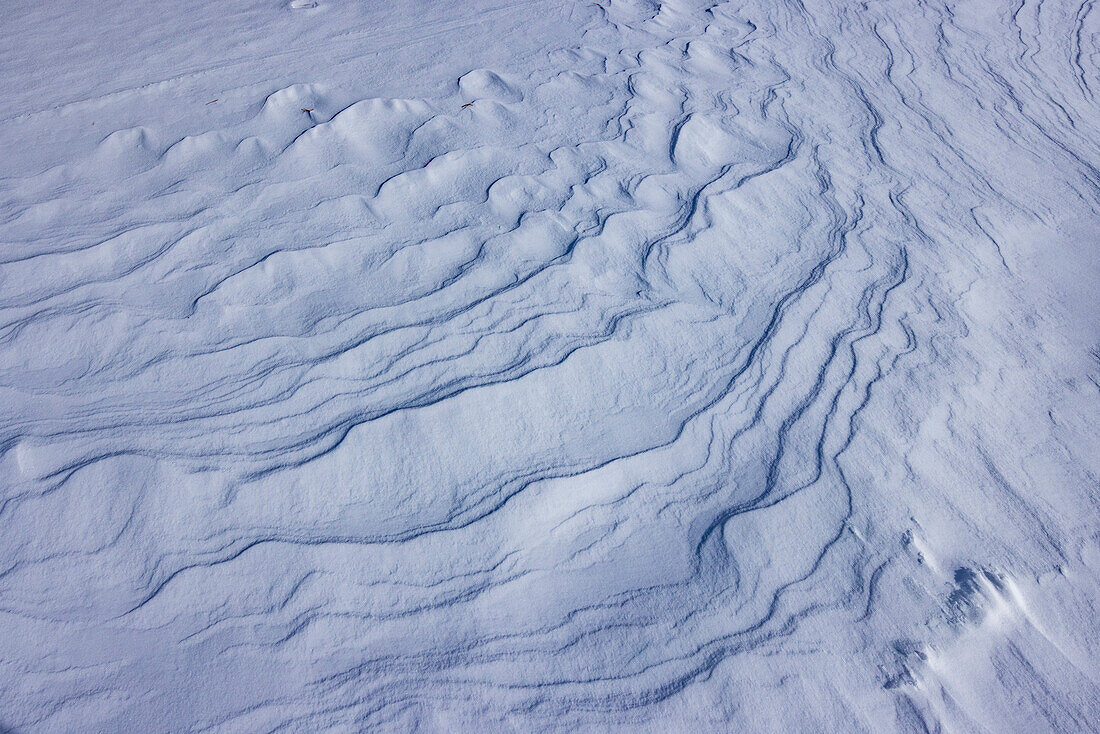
column 550, row 366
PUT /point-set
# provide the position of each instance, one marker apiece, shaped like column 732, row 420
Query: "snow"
column 635, row 365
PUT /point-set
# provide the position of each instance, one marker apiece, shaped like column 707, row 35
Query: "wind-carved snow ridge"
column 643, row 366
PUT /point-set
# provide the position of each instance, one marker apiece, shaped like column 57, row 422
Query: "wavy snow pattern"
column 724, row 364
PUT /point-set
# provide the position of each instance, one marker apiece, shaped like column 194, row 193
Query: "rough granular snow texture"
column 550, row 366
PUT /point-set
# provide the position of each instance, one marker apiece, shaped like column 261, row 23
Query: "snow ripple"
column 726, row 365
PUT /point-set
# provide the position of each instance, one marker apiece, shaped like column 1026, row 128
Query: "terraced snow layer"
column 550, row 366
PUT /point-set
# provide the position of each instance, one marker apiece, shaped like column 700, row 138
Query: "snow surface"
column 549, row 366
